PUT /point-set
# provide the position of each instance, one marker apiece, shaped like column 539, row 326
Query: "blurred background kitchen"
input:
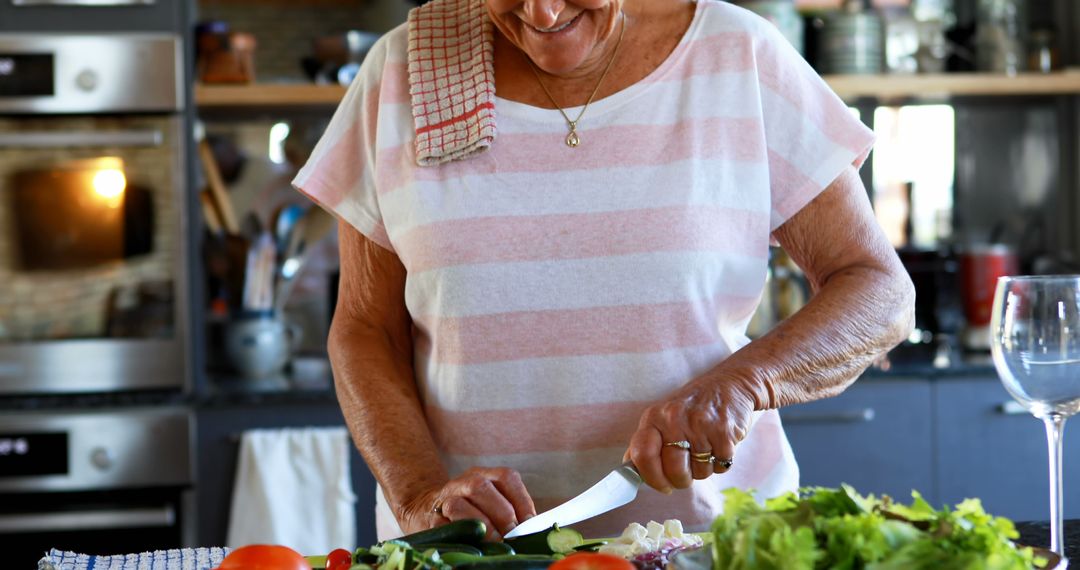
column 165, row 295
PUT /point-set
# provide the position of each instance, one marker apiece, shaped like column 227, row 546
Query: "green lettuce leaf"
column 826, row 528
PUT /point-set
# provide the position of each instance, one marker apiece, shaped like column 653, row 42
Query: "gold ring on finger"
column 703, row 455
column 437, row 509
column 680, row 444
column 710, row 459
column 725, row 463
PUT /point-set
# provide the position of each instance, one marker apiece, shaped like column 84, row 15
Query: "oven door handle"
column 81, row 2
column 82, row 139
column 87, row 520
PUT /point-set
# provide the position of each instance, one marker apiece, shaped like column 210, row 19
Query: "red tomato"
column 592, row 561
column 264, row 557
column 339, row 559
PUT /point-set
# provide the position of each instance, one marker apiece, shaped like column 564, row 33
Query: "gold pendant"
column 572, row 139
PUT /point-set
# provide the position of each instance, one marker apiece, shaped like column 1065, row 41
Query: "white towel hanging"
column 293, row 488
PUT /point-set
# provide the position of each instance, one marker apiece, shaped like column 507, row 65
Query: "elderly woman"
column 556, row 223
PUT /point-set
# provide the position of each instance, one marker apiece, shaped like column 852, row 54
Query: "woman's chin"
column 562, row 52
column 556, row 58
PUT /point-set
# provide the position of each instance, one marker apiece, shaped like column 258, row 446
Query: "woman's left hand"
column 712, row 412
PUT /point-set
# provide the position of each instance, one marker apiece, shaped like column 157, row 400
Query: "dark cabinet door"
column 990, row 448
column 876, row 436
column 218, row 431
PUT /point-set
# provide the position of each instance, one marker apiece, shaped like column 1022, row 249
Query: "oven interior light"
column 109, row 185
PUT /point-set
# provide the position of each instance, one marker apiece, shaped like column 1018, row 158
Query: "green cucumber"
column 448, row 548
column 554, row 540
column 502, row 561
column 496, row 549
column 465, row 531
column 461, row 559
column 516, row 562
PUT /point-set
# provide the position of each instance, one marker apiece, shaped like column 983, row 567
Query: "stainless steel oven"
column 95, row 15
column 93, row 272
column 109, row 481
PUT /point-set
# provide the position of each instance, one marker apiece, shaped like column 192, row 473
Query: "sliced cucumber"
column 465, row 531
column 554, row 540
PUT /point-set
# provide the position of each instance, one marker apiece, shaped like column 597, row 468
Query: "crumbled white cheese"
column 656, row 531
column 673, row 528
column 637, row 540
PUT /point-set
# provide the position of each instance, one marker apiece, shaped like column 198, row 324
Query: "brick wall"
column 72, row 303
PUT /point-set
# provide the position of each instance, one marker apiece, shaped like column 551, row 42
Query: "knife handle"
column 630, row 465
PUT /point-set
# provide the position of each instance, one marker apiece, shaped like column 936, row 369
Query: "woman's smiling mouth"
column 559, row 28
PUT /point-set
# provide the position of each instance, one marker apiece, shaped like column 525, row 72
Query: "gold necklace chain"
column 573, row 139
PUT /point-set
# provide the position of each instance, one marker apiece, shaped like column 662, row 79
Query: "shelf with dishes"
column 270, row 95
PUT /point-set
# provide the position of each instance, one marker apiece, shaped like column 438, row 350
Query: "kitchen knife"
column 615, row 490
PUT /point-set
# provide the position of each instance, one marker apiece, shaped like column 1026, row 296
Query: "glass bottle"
column 1000, row 36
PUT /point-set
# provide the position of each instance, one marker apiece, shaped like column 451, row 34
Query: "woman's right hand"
column 494, row 495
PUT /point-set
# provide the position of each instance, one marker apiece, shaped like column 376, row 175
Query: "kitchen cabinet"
column 876, row 436
column 217, row 439
column 987, row 447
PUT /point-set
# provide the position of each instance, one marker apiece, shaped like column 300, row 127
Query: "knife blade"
column 615, row 490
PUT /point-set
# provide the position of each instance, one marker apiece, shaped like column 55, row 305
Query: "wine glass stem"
column 1055, row 428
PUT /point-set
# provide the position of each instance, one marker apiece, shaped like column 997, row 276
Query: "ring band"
column 725, row 463
column 709, row 459
column 680, row 444
column 437, row 509
column 703, row 455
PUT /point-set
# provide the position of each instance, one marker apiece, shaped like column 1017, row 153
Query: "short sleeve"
column 340, row 175
column 810, row 133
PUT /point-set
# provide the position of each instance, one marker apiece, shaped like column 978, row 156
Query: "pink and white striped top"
column 557, row 292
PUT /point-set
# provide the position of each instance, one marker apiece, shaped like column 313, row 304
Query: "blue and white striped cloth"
column 176, row 559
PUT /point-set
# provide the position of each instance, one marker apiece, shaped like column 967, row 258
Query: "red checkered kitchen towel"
column 451, row 80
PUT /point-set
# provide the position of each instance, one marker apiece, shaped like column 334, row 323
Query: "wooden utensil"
column 222, row 203
column 211, row 217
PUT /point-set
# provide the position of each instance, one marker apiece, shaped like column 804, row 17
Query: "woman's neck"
column 653, row 29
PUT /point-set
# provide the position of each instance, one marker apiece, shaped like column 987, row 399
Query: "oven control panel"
column 110, row 449
column 90, row 73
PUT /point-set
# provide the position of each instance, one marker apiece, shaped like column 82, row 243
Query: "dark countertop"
column 926, row 362
column 309, row 381
column 1038, row 534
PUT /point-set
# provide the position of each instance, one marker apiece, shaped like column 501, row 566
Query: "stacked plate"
column 851, row 43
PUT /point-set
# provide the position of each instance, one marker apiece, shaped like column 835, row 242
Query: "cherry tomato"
column 592, row 561
column 264, row 557
column 339, row 559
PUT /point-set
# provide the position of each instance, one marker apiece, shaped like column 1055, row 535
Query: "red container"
column 980, row 267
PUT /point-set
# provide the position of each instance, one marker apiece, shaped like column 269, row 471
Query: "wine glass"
column 1035, row 331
